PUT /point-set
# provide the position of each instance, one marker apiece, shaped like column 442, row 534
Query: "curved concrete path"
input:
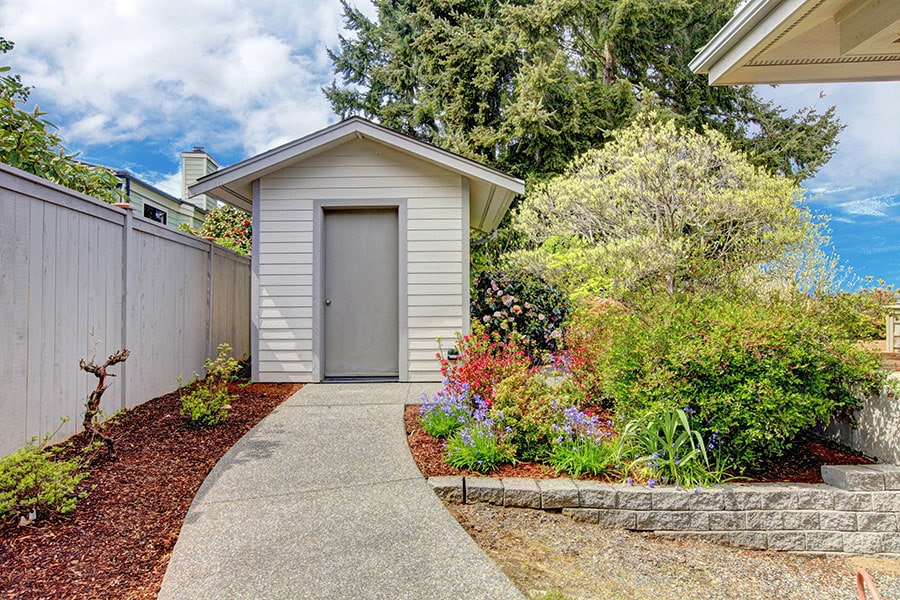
column 322, row 499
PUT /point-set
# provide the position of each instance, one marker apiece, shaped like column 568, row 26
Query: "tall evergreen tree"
column 526, row 85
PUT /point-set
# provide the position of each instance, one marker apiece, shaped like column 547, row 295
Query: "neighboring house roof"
column 796, row 41
column 490, row 191
column 129, row 176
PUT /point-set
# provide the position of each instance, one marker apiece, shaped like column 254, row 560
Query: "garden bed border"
column 857, row 510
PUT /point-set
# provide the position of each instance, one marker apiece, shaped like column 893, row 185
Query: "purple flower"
column 629, row 481
column 651, row 483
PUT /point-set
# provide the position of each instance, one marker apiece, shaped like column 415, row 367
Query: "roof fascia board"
column 228, row 196
column 749, row 26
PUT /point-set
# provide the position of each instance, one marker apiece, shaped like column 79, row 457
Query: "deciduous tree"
column 29, row 142
column 664, row 206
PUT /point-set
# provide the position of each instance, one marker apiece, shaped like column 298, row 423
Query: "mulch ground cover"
column 118, row 541
column 801, row 465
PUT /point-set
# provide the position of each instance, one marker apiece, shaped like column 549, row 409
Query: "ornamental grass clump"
column 583, row 446
column 663, row 448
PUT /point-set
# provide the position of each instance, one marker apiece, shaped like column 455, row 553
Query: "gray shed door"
column 361, row 284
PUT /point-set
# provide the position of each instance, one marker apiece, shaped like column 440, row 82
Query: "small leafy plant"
column 208, row 400
column 33, row 482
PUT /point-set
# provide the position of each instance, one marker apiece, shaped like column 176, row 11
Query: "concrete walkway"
column 322, row 499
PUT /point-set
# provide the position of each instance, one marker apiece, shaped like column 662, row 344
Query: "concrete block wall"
column 857, row 510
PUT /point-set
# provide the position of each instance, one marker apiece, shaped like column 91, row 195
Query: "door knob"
column 328, row 303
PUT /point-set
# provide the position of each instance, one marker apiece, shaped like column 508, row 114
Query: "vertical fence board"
column 62, row 275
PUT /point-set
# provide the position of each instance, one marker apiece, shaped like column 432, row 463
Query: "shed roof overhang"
column 801, row 41
column 490, row 191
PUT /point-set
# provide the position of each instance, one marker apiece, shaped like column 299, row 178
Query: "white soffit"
column 804, row 41
column 491, row 191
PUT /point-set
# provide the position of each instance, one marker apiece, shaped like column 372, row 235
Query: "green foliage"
column 506, row 302
column 527, row 85
column 757, row 371
column 586, row 340
column 207, row 402
column 531, row 412
column 33, row 481
column 28, row 142
column 861, row 314
column 661, row 207
column 583, row 456
column 667, row 450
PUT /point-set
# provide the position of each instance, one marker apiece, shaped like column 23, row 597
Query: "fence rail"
column 71, row 266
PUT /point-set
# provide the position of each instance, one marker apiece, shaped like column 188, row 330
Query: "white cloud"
column 873, row 207
column 869, row 147
column 233, row 74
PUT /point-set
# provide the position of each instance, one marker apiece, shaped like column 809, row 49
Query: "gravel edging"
column 856, row 512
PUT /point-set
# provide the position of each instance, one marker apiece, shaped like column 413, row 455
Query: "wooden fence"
column 71, row 266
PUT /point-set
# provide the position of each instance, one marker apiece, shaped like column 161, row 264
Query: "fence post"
column 209, row 299
column 127, row 238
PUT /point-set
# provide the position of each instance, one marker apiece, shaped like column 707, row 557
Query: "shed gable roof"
column 795, row 41
column 490, row 194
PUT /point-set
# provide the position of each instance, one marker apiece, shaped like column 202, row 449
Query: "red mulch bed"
column 118, row 541
column 802, row 465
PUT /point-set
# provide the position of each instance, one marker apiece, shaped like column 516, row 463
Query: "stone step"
column 862, row 478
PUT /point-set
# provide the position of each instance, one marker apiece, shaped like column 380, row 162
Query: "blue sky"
column 132, row 83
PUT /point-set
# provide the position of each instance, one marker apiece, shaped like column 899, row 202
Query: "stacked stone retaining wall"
column 857, row 510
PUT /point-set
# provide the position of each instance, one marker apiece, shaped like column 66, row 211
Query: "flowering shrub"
column 506, row 303
column 484, row 361
column 228, row 227
column 532, row 411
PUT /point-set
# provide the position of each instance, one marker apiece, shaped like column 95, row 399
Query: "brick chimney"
column 194, row 165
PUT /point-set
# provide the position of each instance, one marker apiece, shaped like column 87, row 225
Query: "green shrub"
column 208, row 401
column 517, row 302
column 531, row 411
column 33, row 482
column 757, row 372
column 861, row 314
column 587, row 337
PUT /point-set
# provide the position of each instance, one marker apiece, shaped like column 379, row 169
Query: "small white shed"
column 360, row 250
